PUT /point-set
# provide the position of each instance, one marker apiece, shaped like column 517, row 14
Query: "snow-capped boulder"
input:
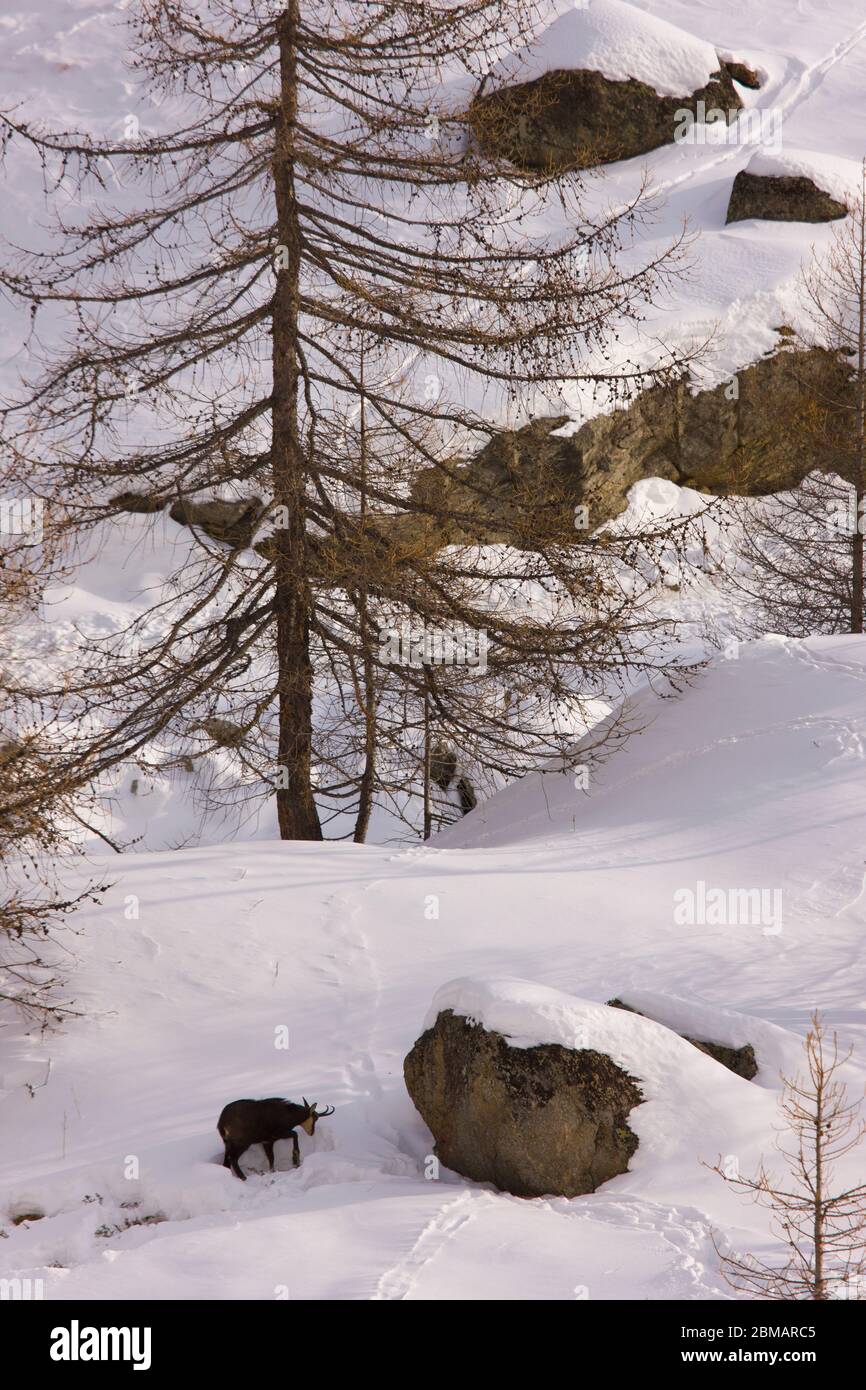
column 621, row 42
column 775, row 198
column 546, row 1118
column 740, row 1060
column 604, row 82
column 793, row 186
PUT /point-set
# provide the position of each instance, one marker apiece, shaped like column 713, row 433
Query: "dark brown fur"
column 247, row 1122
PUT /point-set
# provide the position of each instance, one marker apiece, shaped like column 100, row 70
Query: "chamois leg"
column 231, row 1161
column 268, row 1146
column 296, row 1151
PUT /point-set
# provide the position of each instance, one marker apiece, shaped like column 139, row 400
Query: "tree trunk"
column 857, row 565
column 368, row 777
column 820, row 1288
column 859, row 479
column 296, row 807
column 428, row 818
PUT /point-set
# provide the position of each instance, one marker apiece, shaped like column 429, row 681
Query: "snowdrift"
column 702, row 764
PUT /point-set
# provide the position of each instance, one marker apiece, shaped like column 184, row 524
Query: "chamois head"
column 309, row 1124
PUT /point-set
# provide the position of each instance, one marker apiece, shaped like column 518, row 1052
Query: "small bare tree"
column 836, row 296
column 38, row 802
column 794, row 558
column 824, row 1231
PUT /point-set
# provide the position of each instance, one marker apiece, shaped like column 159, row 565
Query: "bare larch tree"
column 823, row 1228
column 253, row 344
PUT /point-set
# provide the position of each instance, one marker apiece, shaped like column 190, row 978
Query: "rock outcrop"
column 138, row 502
column 747, row 438
column 740, row 1060
column 534, row 1121
column 577, row 119
column 743, row 75
column 232, row 523
column 224, row 732
column 443, row 765
column 781, row 198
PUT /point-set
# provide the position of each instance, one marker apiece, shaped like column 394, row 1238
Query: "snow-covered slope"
column 64, row 64
column 198, row 960
column 699, row 782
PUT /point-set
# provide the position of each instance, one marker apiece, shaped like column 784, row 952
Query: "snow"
column 707, row 1024
column 619, row 41
column 547, row 902
column 63, row 63
column 648, row 1047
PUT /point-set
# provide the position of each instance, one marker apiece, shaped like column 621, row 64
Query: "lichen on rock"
column 534, row 1121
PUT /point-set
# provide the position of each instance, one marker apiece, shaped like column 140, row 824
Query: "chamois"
column 247, row 1122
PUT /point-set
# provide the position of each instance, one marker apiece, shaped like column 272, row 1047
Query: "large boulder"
column 578, row 119
column 534, row 1121
column 791, row 184
column 604, row 81
column 781, row 198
